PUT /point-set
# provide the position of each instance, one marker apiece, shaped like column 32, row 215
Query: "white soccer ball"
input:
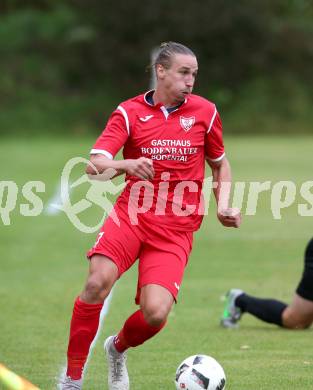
column 200, row 372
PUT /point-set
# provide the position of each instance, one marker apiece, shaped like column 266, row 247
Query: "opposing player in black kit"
column 297, row 315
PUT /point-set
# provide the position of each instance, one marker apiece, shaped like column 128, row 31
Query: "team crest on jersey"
column 187, row 123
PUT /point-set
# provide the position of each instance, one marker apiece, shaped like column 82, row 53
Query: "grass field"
column 43, row 269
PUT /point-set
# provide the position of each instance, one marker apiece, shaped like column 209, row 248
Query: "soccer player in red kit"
column 167, row 135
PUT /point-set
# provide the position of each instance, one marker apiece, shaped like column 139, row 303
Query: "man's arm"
column 141, row 167
column 221, row 172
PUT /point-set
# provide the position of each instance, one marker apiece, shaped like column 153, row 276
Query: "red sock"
column 135, row 331
column 84, row 326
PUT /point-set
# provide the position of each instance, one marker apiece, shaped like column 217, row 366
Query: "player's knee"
column 96, row 289
column 296, row 325
column 291, row 321
column 155, row 314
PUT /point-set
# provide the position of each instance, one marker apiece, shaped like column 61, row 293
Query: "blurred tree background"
column 65, row 65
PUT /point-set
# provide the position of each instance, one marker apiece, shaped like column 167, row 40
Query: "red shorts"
column 163, row 253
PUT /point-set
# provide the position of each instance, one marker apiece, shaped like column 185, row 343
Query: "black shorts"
column 305, row 287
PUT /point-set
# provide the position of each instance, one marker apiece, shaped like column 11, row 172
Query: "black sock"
column 268, row 310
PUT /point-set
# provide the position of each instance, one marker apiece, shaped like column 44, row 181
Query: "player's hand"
column 230, row 217
column 141, row 167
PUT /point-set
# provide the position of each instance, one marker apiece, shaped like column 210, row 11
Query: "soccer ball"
column 200, row 372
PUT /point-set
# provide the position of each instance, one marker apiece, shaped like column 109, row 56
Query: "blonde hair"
column 167, row 50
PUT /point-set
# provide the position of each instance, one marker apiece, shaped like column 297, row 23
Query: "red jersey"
column 178, row 143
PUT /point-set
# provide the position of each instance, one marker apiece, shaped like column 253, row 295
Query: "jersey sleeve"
column 214, row 145
column 113, row 136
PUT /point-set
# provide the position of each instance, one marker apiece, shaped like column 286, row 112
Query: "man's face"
column 178, row 81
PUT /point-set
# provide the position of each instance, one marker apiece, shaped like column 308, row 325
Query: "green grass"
column 43, row 269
